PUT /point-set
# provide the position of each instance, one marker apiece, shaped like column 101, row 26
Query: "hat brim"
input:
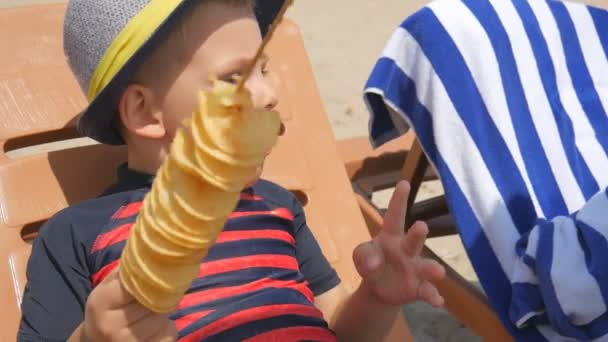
column 97, row 120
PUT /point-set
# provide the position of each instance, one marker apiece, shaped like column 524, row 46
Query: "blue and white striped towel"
column 509, row 99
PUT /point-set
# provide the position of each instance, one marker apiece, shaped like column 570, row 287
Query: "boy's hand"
column 391, row 266
column 112, row 314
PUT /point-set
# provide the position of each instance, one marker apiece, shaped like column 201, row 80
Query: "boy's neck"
column 142, row 163
column 141, row 168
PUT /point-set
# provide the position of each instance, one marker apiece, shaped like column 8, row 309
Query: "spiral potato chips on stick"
column 198, row 185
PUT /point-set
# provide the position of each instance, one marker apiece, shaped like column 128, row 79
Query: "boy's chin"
column 258, row 174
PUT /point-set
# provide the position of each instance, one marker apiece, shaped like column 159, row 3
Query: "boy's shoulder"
column 275, row 193
column 85, row 220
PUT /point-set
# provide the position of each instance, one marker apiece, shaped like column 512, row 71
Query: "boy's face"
column 223, row 39
column 219, row 40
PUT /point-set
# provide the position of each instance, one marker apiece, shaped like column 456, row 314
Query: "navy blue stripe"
column 241, row 277
column 238, row 300
column 558, row 318
column 266, row 297
column 547, row 71
column 537, row 165
column 595, row 248
column 259, row 222
column 495, row 283
column 381, row 123
column 451, row 68
column 220, row 251
column 217, row 252
column 581, row 77
column 255, row 328
column 600, row 20
column 104, row 256
column 241, row 226
column 116, row 222
column 382, row 135
column 403, row 93
column 241, row 248
column 525, row 294
column 527, row 298
column 107, row 256
column 245, row 206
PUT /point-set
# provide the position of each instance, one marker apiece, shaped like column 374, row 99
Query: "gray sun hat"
column 91, row 26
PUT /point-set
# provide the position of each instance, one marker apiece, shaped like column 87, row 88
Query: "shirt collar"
column 133, row 178
column 129, row 179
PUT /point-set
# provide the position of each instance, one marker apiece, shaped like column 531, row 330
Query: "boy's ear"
column 140, row 114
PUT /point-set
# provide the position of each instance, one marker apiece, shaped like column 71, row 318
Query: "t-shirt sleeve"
column 58, row 283
column 314, row 266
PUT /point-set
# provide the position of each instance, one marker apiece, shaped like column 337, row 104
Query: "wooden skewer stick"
column 260, row 50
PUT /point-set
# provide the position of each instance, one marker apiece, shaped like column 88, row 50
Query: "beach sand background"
column 344, row 38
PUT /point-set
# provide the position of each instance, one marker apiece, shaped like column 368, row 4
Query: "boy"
column 142, row 62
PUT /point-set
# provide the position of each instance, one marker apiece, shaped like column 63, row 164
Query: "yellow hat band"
column 129, row 40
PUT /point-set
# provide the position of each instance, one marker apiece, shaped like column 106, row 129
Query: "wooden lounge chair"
column 39, row 101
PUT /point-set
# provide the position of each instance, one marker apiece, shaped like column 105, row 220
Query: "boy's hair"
column 170, row 52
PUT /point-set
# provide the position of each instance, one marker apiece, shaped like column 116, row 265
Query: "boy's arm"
column 60, row 305
column 58, row 283
column 112, row 314
column 357, row 316
column 393, row 273
column 331, row 297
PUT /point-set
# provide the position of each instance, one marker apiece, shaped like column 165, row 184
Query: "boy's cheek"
column 175, row 121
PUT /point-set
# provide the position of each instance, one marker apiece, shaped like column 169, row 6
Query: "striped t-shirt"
column 257, row 283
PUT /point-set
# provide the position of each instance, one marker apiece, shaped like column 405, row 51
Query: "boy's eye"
column 232, row 78
column 264, row 68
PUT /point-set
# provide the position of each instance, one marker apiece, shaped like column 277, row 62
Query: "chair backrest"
column 38, row 104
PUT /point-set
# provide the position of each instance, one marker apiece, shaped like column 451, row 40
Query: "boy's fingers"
column 134, row 312
column 429, row 293
column 394, row 219
column 169, row 334
column 369, row 260
column 112, row 292
column 146, row 329
column 413, row 243
column 429, row 270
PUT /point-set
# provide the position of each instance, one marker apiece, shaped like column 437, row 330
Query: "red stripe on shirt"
column 241, row 263
column 237, row 235
column 301, row 333
column 200, row 297
column 118, row 234
column 185, row 321
column 283, row 213
column 128, row 210
column 250, row 315
column 251, row 197
column 103, row 272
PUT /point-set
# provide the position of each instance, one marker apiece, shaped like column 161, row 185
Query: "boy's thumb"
column 369, row 260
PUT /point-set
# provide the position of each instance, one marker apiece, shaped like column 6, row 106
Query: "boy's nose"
column 263, row 91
